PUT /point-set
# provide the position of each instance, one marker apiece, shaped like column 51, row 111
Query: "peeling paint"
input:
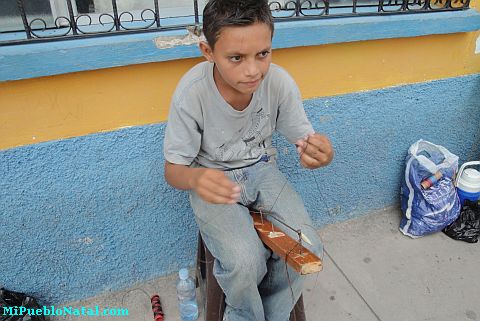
column 86, row 240
column 337, row 210
column 193, row 37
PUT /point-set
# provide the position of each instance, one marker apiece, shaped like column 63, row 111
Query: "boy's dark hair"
column 227, row 13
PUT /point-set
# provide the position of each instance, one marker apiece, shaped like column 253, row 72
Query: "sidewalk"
column 371, row 272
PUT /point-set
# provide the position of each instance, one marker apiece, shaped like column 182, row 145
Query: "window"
column 26, row 20
column 10, row 18
column 132, row 14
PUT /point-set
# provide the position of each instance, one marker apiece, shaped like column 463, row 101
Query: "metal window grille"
column 75, row 24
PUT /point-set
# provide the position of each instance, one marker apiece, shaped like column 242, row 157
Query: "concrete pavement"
column 372, row 272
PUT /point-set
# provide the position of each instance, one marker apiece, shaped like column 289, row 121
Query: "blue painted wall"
column 84, row 215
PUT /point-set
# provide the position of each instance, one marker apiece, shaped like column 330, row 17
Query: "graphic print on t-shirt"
column 248, row 142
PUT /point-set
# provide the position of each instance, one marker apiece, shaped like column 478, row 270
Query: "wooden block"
column 298, row 257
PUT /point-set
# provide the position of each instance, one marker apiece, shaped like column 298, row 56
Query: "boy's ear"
column 206, row 50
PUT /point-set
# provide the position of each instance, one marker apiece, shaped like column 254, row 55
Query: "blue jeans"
column 257, row 284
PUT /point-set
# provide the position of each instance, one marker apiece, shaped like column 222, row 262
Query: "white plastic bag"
column 428, row 210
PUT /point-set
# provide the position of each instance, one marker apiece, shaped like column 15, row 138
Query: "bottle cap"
column 183, row 274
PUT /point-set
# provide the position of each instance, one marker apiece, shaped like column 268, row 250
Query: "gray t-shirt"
column 203, row 129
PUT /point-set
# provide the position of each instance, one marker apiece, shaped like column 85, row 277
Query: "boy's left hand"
column 315, row 151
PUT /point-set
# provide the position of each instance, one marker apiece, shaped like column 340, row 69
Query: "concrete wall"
column 85, row 209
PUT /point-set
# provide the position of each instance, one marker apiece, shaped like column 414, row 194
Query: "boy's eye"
column 263, row 54
column 235, row 58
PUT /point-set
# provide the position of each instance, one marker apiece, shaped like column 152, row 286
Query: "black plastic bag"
column 467, row 226
column 11, row 304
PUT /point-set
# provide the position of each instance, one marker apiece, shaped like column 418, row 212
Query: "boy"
column 218, row 146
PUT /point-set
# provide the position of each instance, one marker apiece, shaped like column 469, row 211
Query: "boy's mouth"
column 251, row 83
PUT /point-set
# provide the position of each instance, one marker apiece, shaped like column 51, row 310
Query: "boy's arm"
column 212, row 185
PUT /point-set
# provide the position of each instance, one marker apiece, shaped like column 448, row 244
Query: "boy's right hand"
column 213, row 186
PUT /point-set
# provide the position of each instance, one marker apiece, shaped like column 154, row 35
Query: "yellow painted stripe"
column 350, row 67
column 55, row 107
column 76, row 104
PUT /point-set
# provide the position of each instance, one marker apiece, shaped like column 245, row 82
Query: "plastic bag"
column 12, row 305
column 428, row 210
column 467, row 226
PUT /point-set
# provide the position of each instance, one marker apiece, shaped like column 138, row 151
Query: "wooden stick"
column 298, row 257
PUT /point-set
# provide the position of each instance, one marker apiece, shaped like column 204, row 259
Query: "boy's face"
column 242, row 56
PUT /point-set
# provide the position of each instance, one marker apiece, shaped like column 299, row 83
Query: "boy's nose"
column 251, row 70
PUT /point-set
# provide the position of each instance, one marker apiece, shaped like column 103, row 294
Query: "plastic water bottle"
column 186, row 296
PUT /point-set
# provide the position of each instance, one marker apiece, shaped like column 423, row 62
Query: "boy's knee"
column 251, row 267
column 247, row 266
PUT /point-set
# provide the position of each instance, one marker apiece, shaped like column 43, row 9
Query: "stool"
column 213, row 294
